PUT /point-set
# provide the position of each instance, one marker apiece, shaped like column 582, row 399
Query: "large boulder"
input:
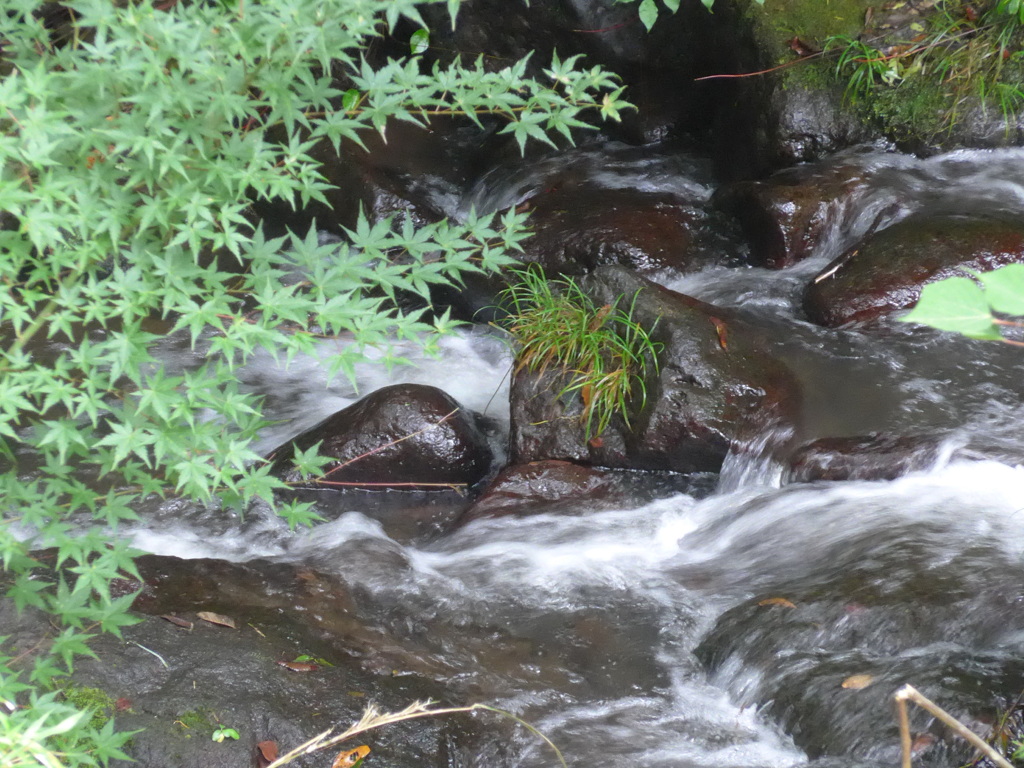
column 885, row 273
column 401, row 435
column 716, row 385
column 768, row 109
column 408, row 172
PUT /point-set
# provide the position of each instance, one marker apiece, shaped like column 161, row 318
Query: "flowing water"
column 712, row 631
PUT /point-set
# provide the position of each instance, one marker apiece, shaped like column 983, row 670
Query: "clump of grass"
column 966, row 55
column 862, row 65
column 603, row 352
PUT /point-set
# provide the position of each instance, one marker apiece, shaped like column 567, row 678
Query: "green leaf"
column 419, row 41
column 648, row 13
column 1004, row 288
column 673, row 5
column 453, row 10
column 955, row 304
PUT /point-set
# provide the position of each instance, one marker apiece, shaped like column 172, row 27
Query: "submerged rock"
column 826, row 641
column 885, row 273
column 716, row 385
column 561, row 486
column 405, row 434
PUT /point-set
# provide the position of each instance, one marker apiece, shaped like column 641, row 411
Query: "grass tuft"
column 605, row 354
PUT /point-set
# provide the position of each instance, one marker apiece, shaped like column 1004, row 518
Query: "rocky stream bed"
column 812, row 492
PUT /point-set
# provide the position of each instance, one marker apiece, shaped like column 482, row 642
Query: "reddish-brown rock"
column 561, row 486
column 787, row 216
column 578, row 229
column 868, row 457
column 885, row 273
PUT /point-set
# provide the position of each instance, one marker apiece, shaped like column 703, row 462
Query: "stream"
column 714, row 629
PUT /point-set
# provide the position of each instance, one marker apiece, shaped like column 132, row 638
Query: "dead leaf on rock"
column 780, row 601
column 351, row 757
column 921, row 742
column 216, row 618
column 177, row 621
column 267, row 752
column 856, row 682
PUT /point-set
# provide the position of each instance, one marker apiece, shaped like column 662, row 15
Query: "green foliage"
column 47, row 732
column 604, row 354
column 133, row 139
column 222, row 733
column 649, row 10
column 1013, row 8
column 963, row 57
column 972, row 307
column 862, row 65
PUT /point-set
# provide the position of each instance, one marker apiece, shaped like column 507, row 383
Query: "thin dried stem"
column 909, row 693
column 380, row 448
column 373, row 718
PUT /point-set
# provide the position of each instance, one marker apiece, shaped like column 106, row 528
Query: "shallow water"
column 639, row 635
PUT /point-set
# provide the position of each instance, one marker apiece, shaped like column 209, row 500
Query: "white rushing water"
column 717, row 631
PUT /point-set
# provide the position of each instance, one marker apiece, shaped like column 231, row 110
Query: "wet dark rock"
column 777, row 118
column 792, row 124
column 716, row 385
column 402, row 434
column 561, row 486
column 887, row 456
column 415, row 173
column 880, row 604
column 179, row 683
column 787, row 216
column 885, row 273
column 869, row 457
column 474, row 299
column 579, row 229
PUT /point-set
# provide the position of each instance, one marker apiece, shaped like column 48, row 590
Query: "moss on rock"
column 98, row 702
column 813, row 21
column 929, row 110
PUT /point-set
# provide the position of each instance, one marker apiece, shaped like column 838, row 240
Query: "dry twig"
column 373, row 718
column 908, row 692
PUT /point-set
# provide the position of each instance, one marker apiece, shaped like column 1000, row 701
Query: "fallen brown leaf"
column 351, row 757
column 856, row 682
column 921, row 742
column 780, row 601
column 268, row 750
column 216, row 618
column 178, row 622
